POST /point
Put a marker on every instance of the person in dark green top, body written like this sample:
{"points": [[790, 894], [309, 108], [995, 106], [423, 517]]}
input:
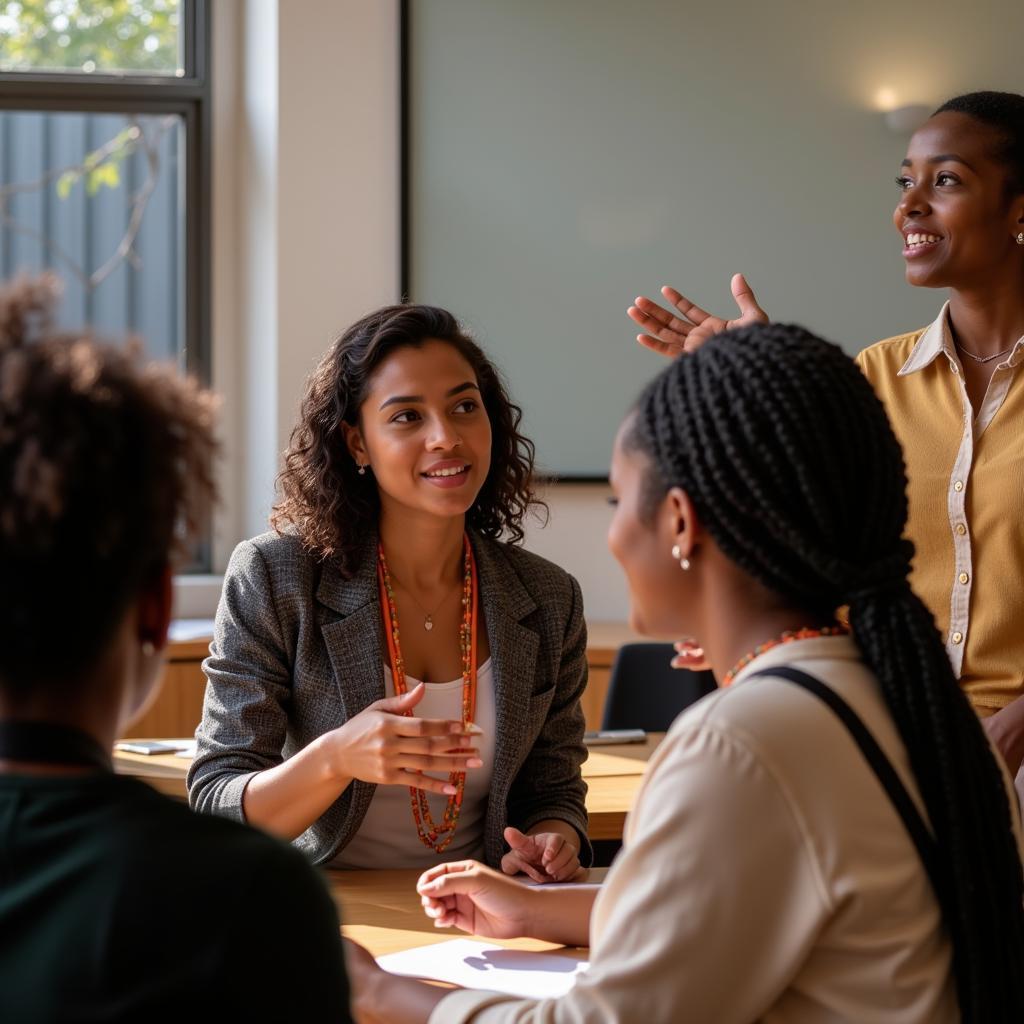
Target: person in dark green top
{"points": [[116, 903]]}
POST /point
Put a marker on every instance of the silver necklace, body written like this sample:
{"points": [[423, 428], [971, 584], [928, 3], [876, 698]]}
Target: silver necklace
{"points": [[983, 359]]}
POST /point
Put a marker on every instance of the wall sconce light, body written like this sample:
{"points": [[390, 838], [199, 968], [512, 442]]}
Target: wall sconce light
{"points": [[907, 119]]}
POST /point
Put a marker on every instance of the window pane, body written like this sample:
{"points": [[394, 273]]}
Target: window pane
{"points": [[99, 199], [103, 36]]}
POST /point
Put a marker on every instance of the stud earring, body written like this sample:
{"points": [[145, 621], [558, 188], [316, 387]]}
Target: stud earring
{"points": [[677, 554], [1020, 238], [148, 648]]}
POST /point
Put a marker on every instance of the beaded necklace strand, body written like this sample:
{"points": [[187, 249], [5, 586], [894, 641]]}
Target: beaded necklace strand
{"points": [[435, 835], [804, 633]]}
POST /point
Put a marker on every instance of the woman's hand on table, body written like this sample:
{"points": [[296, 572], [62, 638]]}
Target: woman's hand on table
{"points": [[671, 335], [468, 895], [383, 745], [544, 856]]}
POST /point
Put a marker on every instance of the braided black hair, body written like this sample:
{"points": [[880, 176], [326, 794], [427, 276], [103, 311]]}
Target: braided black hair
{"points": [[789, 459], [1003, 112]]}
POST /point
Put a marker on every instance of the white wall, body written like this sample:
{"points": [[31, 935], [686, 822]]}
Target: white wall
{"points": [[306, 172], [306, 190]]}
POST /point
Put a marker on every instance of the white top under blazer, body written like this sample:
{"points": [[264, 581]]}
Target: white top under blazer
{"points": [[388, 834]]}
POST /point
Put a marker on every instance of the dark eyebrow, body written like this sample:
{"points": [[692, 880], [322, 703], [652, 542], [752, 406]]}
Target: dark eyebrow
{"points": [[412, 399], [942, 158]]}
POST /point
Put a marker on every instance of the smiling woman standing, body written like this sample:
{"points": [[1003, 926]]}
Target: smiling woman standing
{"points": [[358, 645], [953, 390]]}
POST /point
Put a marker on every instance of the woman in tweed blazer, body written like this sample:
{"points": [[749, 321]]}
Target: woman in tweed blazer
{"points": [[298, 733]]}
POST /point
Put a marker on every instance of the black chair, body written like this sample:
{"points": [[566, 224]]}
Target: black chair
{"points": [[646, 692]]}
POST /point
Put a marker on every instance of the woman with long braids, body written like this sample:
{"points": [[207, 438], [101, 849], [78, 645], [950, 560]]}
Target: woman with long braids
{"points": [[391, 684], [805, 843], [953, 390]]}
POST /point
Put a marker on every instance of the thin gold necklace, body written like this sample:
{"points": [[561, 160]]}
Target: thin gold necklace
{"points": [[428, 616], [983, 359]]}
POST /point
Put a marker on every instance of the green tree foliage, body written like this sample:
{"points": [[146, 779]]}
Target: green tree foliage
{"points": [[90, 35]]}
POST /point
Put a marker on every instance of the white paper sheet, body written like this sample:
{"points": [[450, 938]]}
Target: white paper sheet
{"points": [[190, 629], [474, 964]]}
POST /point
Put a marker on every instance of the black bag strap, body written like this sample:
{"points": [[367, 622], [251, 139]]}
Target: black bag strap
{"points": [[927, 847]]}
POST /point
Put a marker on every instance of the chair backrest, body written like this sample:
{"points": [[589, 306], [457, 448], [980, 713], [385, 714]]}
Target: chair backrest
{"points": [[646, 692]]}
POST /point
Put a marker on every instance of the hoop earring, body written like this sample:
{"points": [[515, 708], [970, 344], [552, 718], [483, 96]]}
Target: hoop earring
{"points": [[677, 554]]}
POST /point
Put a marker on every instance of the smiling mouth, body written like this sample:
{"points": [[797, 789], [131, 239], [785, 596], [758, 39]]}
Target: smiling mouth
{"points": [[919, 241], [443, 474]]}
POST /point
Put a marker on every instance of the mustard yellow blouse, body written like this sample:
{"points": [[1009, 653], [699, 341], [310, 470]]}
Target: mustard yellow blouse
{"points": [[966, 491]]}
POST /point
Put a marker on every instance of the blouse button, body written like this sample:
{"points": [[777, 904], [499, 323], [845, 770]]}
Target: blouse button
{"points": [[961, 529], [957, 637], [963, 577], [958, 486]]}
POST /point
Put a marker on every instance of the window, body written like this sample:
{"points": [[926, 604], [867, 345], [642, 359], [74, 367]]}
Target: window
{"points": [[105, 166]]}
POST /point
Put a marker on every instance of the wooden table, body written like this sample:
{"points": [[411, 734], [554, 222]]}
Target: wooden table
{"points": [[612, 774], [381, 911]]}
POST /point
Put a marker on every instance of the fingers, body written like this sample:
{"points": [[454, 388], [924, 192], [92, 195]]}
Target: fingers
{"points": [[402, 703], [417, 781], [689, 309], [745, 299], [651, 317], [450, 878], [444, 763], [453, 733], [515, 863], [563, 863], [446, 913], [517, 840], [451, 867], [661, 348]]}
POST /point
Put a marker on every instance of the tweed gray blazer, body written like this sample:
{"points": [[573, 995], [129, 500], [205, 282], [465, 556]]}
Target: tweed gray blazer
{"points": [[297, 652]]}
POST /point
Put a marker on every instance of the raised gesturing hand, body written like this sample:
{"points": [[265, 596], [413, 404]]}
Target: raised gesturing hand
{"points": [[671, 335], [381, 744]]}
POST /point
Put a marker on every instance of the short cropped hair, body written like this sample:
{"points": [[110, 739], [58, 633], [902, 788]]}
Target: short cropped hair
{"points": [[106, 466]]}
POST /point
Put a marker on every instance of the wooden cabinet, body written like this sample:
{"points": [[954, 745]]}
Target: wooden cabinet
{"points": [[179, 705]]}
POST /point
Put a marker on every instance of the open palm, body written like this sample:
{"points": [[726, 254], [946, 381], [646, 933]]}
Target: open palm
{"points": [[671, 335]]}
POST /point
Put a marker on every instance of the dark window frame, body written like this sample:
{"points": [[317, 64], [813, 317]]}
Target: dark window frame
{"points": [[187, 95]]}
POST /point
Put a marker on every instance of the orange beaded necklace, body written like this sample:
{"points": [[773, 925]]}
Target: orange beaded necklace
{"points": [[804, 633], [436, 836]]}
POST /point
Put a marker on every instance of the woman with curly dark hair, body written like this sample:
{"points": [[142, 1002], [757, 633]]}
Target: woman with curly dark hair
{"points": [[106, 471], [390, 683]]}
